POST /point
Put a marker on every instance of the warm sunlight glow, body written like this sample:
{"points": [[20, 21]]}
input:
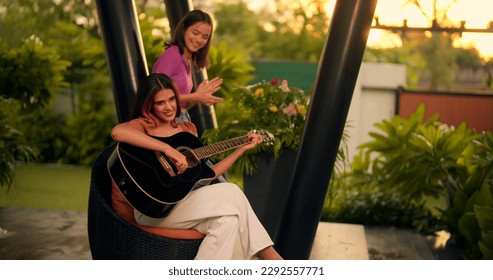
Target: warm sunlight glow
{"points": [[476, 14]]}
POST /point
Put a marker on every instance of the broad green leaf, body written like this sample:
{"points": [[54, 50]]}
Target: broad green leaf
{"points": [[487, 251], [468, 226], [484, 215]]}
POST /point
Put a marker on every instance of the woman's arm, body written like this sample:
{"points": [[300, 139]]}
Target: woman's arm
{"points": [[222, 166], [135, 135]]}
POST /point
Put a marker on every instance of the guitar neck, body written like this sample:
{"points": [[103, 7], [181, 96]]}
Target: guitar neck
{"points": [[213, 149]]}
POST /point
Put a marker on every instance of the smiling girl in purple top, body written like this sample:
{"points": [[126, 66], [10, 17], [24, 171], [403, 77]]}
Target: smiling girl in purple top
{"points": [[189, 50]]}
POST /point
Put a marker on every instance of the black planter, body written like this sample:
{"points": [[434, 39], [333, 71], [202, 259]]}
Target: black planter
{"points": [[268, 188]]}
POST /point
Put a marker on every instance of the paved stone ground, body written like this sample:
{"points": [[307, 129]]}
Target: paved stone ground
{"points": [[31, 234], [390, 243]]}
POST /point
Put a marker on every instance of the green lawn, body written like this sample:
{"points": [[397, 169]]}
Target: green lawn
{"points": [[53, 186], [48, 186]]}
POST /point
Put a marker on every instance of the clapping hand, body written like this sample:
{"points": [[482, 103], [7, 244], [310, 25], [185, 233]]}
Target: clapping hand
{"points": [[206, 89]]}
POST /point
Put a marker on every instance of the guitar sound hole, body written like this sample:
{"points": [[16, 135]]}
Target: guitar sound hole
{"points": [[192, 161]]}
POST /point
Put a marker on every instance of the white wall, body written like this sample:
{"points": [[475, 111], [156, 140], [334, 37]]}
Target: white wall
{"points": [[373, 100]]}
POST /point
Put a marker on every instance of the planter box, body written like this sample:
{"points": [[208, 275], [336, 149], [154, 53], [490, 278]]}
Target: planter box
{"points": [[268, 189]]}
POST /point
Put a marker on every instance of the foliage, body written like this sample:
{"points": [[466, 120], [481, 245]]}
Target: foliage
{"points": [[31, 73], [12, 141], [470, 203], [468, 57], [274, 107], [414, 161], [438, 53], [291, 30], [372, 206], [227, 27], [430, 57], [43, 131], [234, 68], [153, 44], [75, 61], [89, 129]]}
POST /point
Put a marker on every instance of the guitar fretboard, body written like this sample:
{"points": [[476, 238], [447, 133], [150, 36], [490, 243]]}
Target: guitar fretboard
{"points": [[210, 150]]}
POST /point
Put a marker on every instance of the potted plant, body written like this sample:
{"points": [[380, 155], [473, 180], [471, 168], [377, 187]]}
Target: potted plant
{"points": [[280, 109], [271, 106]]}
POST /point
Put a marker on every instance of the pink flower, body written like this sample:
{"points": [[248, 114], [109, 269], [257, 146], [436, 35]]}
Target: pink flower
{"points": [[290, 110]]}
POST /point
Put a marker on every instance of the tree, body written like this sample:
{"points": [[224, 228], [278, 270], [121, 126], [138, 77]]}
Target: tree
{"points": [[437, 50], [69, 33], [232, 19], [293, 30], [31, 73]]}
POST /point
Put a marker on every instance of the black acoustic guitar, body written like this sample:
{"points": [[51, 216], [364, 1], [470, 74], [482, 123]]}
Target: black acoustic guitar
{"points": [[150, 181]]}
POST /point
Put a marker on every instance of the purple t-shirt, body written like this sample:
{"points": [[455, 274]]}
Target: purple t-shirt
{"points": [[173, 64]]}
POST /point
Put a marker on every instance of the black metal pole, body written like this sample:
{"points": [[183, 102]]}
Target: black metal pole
{"points": [[124, 51], [202, 116], [334, 85]]}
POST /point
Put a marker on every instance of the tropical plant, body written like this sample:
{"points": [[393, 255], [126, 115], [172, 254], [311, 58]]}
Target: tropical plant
{"points": [[231, 65], [31, 73], [414, 161], [271, 106], [13, 145], [469, 215], [88, 130]]}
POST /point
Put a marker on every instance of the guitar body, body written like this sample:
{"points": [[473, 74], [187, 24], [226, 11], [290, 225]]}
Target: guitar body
{"points": [[147, 185]]}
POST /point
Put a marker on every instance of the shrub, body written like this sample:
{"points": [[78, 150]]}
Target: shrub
{"points": [[13, 145], [412, 161], [271, 106]]}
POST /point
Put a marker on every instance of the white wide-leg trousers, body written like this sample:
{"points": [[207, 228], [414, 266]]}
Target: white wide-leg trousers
{"points": [[221, 212]]}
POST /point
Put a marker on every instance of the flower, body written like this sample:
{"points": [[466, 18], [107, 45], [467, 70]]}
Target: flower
{"points": [[272, 106]]}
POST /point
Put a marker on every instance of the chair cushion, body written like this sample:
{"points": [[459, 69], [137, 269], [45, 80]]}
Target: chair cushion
{"points": [[126, 211]]}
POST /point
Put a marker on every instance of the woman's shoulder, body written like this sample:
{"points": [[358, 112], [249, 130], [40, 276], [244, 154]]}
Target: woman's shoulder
{"points": [[168, 62], [188, 127], [142, 122], [173, 50]]}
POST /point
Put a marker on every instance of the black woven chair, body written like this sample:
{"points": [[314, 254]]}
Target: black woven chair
{"points": [[113, 238]]}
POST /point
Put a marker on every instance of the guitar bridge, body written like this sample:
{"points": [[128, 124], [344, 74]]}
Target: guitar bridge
{"points": [[165, 164]]}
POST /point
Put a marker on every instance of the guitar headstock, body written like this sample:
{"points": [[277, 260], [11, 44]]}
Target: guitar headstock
{"points": [[267, 137]]}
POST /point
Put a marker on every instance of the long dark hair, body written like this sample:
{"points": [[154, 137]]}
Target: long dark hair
{"points": [[144, 99], [200, 58]]}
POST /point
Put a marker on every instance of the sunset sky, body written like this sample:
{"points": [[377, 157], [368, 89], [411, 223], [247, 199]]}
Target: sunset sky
{"points": [[476, 13]]}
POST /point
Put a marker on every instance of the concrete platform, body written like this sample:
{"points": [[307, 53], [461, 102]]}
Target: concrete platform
{"points": [[32, 234], [335, 241]]}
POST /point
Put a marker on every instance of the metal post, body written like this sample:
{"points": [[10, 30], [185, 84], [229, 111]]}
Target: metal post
{"points": [[202, 116], [334, 85], [124, 51]]}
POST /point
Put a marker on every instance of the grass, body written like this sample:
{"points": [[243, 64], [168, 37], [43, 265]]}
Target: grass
{"points": [[48, 186], [55, 187]]}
